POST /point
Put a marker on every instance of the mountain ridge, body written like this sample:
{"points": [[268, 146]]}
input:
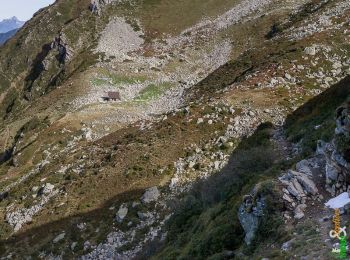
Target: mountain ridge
{"points": [[10, 24]]}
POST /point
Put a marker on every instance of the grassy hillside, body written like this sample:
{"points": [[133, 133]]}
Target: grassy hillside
{"points": [[205, 89]]}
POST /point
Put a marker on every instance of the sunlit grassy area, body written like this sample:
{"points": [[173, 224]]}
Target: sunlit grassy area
{"points": [[153, 91]]}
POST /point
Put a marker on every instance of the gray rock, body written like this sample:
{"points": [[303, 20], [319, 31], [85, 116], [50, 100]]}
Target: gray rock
{"points": [[287, 245], [250, 216], [310, 50], [298, 187], [151, 194], [200, 121], [81, 226], [303, 167], [122, 212], [332, 172], [339, 159], [144, 216], [73, 245], [135, 204], [287, 198], [308, 185], [299, 211], [251, 113], [293, 191], [287, 76], [48, 188], [59, 238], [87, 245]]}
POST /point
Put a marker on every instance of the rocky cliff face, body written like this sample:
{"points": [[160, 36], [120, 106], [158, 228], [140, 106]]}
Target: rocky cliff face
{"points": [[306, 188], [336, 154]]}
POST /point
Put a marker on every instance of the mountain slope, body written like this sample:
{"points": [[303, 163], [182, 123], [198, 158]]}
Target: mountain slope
{"points": [[196, 98]]}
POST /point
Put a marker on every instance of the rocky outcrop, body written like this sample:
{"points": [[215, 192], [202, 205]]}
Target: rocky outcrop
{"points": [[299, 184], [299, 187], [336, 153], [19, 217], [97, 6], [250, 215], [330, 159], [151, 194], [64, 49]]}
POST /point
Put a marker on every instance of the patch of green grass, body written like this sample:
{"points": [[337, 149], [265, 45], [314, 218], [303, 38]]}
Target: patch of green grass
{"points": [[120, 79], [153, 91], [99, 81]]}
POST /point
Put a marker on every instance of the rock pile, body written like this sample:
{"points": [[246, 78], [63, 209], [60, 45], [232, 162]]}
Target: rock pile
{"points": [[298, 187], [19, 217], [118, 39]]}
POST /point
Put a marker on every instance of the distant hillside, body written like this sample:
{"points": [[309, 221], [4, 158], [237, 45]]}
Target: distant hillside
{"points": [[5, 36], [10, 24]]}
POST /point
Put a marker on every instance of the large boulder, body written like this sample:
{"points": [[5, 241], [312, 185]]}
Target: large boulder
{"points": [[293, 191], [151, 194], [332, 172], [299, 211], [304, 167], [308, 185], [298, 184], [250, 214]]}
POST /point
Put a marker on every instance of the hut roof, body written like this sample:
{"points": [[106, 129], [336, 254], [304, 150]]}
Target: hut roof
{"points": [[113, 95]]}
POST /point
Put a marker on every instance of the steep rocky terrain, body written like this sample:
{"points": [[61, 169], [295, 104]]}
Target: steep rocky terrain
{"points": [[230, 134]]}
